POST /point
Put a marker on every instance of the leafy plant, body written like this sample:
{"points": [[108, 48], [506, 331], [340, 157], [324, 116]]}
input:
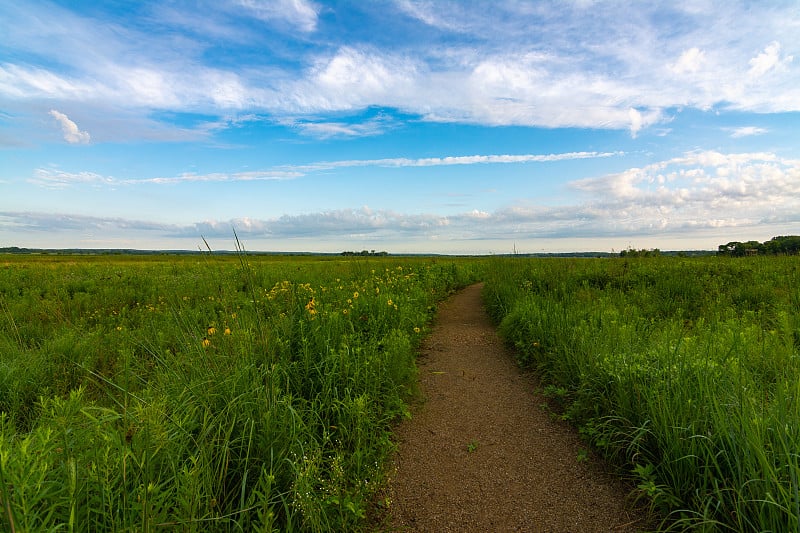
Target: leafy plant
{"points": [[225, 393], [683, 371]]}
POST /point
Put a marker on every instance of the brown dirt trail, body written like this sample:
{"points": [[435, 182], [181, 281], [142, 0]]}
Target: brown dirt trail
{"points": [[481, 453]]}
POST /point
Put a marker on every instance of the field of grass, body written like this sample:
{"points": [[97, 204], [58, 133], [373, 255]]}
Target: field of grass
{"points": [[685, 372], [252, 393], [205, 393]]}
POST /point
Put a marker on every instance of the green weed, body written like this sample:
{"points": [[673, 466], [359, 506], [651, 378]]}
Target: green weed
{"points": [[684, 372], [205, 393]]}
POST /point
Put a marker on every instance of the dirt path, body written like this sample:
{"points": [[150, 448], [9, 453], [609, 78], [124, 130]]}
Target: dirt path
{"points": [[481, 454]]}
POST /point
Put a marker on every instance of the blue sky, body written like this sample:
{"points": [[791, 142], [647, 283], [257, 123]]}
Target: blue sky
{"points": [[450, 126]]}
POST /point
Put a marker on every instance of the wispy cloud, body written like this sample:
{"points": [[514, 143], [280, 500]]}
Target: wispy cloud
{"points": [[327, 129], [458, 160], [747, 131], [354, 78], [341, 224], [59, 179], [59, 222], [428, 13], [567, 73], [269, 175], [301, 13], [23, 82], [697, 192]]}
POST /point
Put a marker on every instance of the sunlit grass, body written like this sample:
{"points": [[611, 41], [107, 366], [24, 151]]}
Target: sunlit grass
{"points": [[205, 393], [684, 372], [257, 394]]}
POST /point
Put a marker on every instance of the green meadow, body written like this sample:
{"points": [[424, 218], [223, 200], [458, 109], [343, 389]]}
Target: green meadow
{"points": [[205, 393], [258, 393], [684, 372]]}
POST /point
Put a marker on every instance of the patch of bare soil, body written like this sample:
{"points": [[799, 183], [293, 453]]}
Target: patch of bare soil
{"points": [[481, 453]]}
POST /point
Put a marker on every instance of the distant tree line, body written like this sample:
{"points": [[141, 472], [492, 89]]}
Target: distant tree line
{"points": [[785, 245], [370, 253], [630, 252]]}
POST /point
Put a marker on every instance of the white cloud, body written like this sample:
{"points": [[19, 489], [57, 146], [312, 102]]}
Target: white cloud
{"points": [[700, 189], [354, 79], [183, 88], [72, 134], [690, 61], [427, 12], [636, 121], [768, 60], [268, 175], [60, 222], [586, 65], [57, 179], [747, 131], [148, 86], [340, 224], [699, 193], [326, 129], [301, 13], [30, 82], [456, 160]]}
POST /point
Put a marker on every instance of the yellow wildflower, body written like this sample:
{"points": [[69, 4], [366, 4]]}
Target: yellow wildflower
{"points": [[211, 330], [227, 331], [206, 342], [310, 307], [390, 302]]}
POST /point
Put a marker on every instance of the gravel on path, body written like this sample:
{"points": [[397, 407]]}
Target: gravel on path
{"points": [[482, 452]]}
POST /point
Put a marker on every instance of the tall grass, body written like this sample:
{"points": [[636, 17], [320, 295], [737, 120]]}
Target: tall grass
{"points": [[205, 394], [685, 372]]}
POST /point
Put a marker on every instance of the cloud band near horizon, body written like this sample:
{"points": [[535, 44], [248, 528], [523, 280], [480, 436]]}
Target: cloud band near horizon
{"points": [[700, 190]]}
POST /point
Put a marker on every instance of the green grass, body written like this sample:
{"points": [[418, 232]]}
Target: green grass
{"points": [[205, 393], [686, 373], [211, 393]]}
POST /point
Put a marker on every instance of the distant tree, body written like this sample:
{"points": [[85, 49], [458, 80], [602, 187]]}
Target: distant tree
{"points": [[365, 253], [739, 249], [784, 245], [630, 252]]}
